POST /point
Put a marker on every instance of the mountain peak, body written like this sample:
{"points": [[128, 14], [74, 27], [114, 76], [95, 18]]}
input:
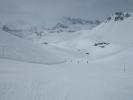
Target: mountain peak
{"points": [[119, 16]]}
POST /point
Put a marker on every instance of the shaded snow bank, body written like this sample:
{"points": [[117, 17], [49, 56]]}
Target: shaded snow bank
{"points": [[12, 47]]}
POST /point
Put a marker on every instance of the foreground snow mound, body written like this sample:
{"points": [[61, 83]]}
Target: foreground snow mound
{"points": [[12, 47], [107, 79]]}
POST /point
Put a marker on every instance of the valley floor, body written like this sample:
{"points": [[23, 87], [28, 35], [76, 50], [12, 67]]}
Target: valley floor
{"points": [[93, 81]]}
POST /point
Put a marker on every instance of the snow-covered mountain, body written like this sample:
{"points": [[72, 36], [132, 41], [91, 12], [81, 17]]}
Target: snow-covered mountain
{"points": [[69, 24], [108, 38], [99, 65], [65, 29], [112, 36]]}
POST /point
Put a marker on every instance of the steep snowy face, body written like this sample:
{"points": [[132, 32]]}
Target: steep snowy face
{"points": [[116, 29], [12, 47]]}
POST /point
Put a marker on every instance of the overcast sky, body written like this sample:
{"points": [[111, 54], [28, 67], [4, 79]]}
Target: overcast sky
{"points": [[46, 11]]}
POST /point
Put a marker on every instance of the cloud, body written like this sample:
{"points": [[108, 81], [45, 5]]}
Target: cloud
{"points": [[46, 11]]}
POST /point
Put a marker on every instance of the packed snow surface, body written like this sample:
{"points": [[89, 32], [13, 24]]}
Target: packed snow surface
{"points": [[109, 79]]}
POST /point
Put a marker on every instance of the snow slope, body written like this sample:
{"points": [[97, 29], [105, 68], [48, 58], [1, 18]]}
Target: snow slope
{"points": [[113, 31], [12, 47]]}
